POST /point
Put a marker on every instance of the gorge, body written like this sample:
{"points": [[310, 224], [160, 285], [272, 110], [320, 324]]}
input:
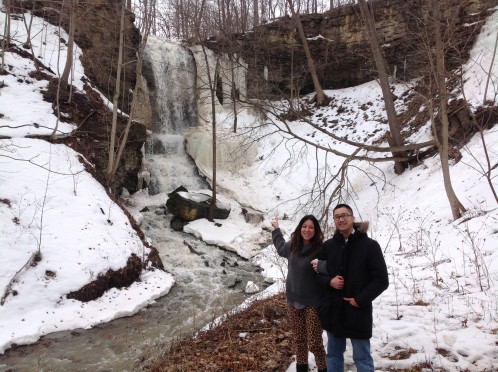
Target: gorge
{"points": [[210, 280]]}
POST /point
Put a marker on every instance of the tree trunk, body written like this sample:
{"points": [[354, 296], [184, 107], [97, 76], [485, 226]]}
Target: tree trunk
{"points": [[27, 44], [321, 98], [6, 33], [197, 20], [233, 92], [212, 89], [395, 133], [144, 31], [112, 139], [490, 71], [255, 15], [70, 46], [457, 208]]}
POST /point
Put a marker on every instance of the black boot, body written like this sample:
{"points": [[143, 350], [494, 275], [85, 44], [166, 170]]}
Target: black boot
{"points": [[301, 368], [322, 370]]}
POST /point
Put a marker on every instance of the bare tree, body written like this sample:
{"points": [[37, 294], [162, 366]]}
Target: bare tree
{"points": [[321, 98], [482, 124], [490, 69], [112, 139], [234, 96], [489, 167], [212, 90], [6, 34], [394, 136], [457, 208], [145, 30], [223, 24], [27, 43], [198, 18], [179, 18], [255, 13], [58, 94], [70, 44]]}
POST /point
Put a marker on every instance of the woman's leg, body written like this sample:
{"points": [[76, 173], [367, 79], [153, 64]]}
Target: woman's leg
{"points": [[315, 340], [298, 325]]}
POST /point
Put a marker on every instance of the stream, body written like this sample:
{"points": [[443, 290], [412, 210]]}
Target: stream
{"points": [[209, 283]]}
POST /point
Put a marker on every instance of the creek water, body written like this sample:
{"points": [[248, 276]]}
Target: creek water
{"points": [[208, 283]]}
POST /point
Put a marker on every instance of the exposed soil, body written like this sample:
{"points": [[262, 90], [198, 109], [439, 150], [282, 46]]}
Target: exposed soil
{"points": [[255, 339], [111, 279]]}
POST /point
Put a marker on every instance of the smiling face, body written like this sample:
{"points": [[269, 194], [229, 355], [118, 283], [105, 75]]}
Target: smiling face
{"points": [[344, 221], [307, 231]]}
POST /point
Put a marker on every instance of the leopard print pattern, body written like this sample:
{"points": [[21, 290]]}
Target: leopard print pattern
{"points": [[307, 332]]}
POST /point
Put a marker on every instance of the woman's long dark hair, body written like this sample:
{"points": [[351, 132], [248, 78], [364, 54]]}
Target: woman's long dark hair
{"points": [[297, 242]]}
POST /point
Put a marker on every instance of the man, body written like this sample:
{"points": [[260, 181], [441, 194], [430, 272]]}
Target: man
{"points": [[355, 273]]}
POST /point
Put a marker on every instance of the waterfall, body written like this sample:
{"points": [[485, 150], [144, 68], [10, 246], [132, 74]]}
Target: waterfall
{"points": [[179, 90], [171, 84]]}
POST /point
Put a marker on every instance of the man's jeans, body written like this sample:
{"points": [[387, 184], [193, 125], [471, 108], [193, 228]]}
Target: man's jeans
{"points": [[336, 347]]}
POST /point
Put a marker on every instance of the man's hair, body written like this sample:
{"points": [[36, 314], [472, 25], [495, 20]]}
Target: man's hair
{"points": [[344, 206]]}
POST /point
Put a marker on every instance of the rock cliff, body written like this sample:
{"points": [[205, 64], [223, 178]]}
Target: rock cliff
{"points": [[97, 26], [340, 48]]}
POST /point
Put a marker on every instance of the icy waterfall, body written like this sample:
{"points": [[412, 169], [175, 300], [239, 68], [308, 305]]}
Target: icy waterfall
{"points": [[172, 87], [179, 89]]}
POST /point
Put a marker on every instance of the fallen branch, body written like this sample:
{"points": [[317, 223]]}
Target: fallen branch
{"points": [[35, 257]]}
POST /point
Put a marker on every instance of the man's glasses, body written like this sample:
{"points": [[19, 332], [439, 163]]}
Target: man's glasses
{"points": [[342, 217]]}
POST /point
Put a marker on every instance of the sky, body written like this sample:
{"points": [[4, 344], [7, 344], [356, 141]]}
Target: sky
{"points": [[442, 303]]}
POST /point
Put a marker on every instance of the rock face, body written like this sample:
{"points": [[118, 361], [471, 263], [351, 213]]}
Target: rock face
{"points": [[192, 206], [97, 26], [340, 49]]}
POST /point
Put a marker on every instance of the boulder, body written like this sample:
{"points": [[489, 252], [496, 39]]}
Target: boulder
{"points": [[193, 206], [177, 223], [253, 216]]}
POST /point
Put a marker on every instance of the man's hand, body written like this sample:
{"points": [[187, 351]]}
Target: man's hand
{"points": [[337, 282], [351, 301]]}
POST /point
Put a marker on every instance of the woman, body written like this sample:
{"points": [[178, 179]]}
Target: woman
{"points": [[304, 294]]}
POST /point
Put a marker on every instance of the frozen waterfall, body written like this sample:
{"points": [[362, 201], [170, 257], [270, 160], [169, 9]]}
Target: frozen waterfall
{"points": [[179, 80], [171, 84]]}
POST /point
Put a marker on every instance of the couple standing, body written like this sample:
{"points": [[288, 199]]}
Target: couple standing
{"points": [[338, 278]]}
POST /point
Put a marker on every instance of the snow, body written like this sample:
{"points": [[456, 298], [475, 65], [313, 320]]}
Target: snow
{"points": [[51, 205], [434, 310]]}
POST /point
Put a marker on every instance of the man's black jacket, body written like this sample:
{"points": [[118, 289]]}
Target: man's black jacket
{"points": [[361, 263]]}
